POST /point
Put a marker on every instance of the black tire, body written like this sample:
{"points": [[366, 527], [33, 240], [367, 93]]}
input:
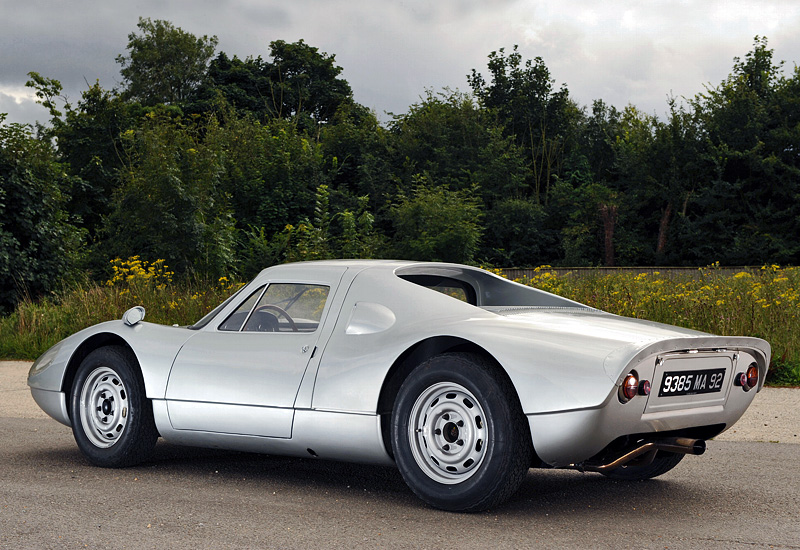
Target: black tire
{"points": [[663, 462], [112, 419], [459, 436]]}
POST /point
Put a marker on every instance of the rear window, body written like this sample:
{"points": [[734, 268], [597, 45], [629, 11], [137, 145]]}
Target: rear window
{"points": [[454, 288]]}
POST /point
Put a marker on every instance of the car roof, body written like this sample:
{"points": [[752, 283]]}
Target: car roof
{"points": [[491, 289], [368, 264]]}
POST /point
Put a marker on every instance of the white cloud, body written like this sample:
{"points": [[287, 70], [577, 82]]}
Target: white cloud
{"points": [[628, 20], [17, 94], [20, 107]]}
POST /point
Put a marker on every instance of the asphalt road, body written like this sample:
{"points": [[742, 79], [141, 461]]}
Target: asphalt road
{"points": [[740, 494]]}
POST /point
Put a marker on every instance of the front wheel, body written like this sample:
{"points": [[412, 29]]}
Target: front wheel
{"points": [[459, 436], [112, 420]]}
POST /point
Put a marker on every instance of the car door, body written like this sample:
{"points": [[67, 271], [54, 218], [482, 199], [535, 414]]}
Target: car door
{"points": [[241, 374]]}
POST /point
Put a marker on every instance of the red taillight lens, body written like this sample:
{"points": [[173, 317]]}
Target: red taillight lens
{"points": [[630, 387], [644, 387], [752, 375], [747, 380]]}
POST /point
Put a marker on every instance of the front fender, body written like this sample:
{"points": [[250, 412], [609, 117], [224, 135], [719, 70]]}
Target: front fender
{"points": [[155, 348]]}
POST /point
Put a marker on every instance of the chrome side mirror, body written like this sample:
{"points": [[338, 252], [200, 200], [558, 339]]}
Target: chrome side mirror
{"points": [[133, 315]]}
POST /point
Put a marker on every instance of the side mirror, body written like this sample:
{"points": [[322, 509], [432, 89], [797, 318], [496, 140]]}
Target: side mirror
{"points": [[133, 315]]}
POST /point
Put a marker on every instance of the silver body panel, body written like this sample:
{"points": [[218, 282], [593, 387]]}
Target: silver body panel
{"points": [[318, 392]]}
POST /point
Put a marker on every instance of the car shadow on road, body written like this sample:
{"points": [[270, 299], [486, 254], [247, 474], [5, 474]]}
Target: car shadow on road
{"points": [[544, 492], [565, 492]]}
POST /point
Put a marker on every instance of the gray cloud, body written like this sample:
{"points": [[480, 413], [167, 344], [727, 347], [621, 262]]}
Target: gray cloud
{"points": [[624, 51]]}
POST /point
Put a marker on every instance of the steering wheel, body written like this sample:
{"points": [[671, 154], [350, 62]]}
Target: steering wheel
{"points": [[280, 311]]}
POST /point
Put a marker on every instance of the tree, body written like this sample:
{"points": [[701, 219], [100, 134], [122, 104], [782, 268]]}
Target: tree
{"points": [[747, 210], [298, 84], [655, 171], [596, 139], [436, 224], [517, 234], [243, 84], [677, 170], [273, 171], [314, 239], [90, 143], [171, 205], [164, 63], [449, 138], [39, 246], [304, 83], [586, 212], [48, 91], [351, 142], [541, 119]]}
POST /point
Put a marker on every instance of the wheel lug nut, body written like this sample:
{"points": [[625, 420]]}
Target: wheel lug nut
{"points": [[460, 442], [446, 417], [438, 431], [460, 423], [446, 447]]}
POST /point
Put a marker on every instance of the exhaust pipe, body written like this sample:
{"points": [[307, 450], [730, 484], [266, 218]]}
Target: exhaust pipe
{"points": [[646, 452], [683, 445]]}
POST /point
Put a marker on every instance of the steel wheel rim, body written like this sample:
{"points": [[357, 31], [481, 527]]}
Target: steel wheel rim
{"points": [[103, 407], [448, 433]]}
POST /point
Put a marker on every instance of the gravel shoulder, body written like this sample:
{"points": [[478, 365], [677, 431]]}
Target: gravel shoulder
{"points": [[773, 417]]}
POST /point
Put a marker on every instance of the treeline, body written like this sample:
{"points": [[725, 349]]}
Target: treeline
{"points": [[220, 165]]}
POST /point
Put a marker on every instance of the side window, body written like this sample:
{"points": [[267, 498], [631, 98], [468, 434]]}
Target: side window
{"points": [[288, 307], [236, 319]]}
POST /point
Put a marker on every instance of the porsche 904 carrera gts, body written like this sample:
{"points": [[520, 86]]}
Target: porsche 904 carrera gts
{"points": [[462, 379]]}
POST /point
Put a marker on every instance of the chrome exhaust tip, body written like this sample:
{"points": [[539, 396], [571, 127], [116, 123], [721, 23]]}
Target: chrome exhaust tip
{"points": [[683, 445]]}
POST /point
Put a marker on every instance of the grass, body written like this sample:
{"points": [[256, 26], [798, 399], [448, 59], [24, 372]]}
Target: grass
{"points": [[763, 303], [36, 325]]}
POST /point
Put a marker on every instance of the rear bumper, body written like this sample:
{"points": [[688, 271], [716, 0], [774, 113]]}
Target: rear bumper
{"points": [[567, 438]]}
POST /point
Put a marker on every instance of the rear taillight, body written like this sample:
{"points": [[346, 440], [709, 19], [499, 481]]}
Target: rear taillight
{"points": [[629, 388], [749, 379], [752, 375]]}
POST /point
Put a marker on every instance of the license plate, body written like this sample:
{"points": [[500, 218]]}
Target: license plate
{"points": [[691, 382]]}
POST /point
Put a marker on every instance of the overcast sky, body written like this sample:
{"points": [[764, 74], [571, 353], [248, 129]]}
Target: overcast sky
{"points": [[623, 52]]}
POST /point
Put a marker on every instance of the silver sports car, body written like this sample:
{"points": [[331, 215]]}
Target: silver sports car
{"points": [[462, 379]]}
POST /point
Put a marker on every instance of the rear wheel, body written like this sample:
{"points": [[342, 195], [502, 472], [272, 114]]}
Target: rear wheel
{"points": [[112, 420], [459, 436], [663, 462]]}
